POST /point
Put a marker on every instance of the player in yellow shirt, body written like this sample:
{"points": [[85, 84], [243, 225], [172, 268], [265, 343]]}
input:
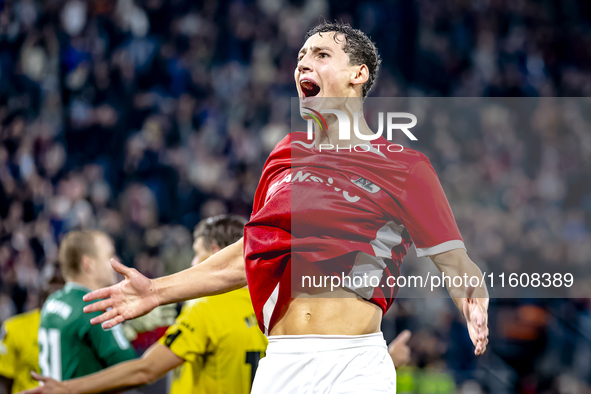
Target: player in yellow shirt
{"points": [[217, 338], [19, 351]]}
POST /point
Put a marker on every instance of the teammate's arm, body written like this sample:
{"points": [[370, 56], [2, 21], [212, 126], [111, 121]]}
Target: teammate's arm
{"points": [[136, 295], [471, 301], [399, 350], [157, 361]]}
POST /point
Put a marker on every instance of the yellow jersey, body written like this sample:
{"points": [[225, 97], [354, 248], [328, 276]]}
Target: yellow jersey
{"points": [[19, 352], [221, 343]]}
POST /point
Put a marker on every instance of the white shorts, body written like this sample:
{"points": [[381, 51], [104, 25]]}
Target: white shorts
{"points": [[322, 364]]}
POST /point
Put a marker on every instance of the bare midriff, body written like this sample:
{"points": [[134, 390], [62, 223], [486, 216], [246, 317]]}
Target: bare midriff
{"points": [[341, 314]]}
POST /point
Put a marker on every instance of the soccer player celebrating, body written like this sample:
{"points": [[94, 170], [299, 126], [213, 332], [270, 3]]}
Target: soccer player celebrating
{"points": [[329, 211], [69, 346], [215, 344]]}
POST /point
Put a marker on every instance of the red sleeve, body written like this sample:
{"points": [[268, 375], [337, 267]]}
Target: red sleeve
{"points": [[278, 160], [426, 213]]}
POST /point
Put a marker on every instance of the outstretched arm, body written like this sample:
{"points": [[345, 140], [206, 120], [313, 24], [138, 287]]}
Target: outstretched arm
{"points": [[136, 295], [156, 362], [471, 301]]}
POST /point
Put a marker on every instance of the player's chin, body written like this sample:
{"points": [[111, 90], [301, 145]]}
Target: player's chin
{"points": [[311, 101]]}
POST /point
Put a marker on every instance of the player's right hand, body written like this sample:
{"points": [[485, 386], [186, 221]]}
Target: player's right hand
{"points": [[49, 386], [133, 297]]}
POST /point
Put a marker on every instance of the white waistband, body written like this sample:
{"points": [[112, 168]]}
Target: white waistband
{"points": [[322, 343]]}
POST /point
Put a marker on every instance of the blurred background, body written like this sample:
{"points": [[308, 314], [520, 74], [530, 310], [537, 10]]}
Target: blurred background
{"points": [[141, 117]]}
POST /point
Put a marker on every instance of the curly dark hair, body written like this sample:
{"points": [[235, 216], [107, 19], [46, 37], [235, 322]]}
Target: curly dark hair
{"points": [[358, 46]]}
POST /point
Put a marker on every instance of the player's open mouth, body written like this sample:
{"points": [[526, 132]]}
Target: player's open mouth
{"points": [[309, 88]]}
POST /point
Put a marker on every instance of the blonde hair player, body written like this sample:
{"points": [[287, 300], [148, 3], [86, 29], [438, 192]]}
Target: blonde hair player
{"points": [[70, 347]]}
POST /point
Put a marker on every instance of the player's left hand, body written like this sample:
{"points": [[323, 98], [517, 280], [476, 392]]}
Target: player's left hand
{"points": [[49, 386], [399, 350], [476, 314]]}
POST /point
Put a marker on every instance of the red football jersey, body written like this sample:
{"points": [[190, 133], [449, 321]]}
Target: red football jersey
{"points": [[341, 212]]}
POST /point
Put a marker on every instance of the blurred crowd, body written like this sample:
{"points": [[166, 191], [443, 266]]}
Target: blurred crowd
{"points": [[141, 117]]}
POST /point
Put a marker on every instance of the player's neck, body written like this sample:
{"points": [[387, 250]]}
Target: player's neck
{"points": [[85, 281], [331, 136]]}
